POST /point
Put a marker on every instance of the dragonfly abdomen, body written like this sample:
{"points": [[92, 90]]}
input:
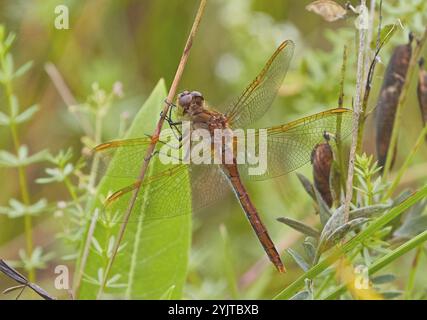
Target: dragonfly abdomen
{"points": [[239, 189]]}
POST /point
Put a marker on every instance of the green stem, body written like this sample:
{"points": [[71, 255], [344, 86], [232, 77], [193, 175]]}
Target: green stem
{"points": [[73, 194], [402, 100], [406, 164], [324, 285], [411, 280], [386, 260], [338, 252], [22, 178]]}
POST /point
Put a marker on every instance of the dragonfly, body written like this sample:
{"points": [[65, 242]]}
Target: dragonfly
{"points": [[289, 147]]}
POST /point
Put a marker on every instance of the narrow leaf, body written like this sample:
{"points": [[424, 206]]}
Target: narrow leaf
{"points": [[4, 119], [384, 278], [324, 211], [298, 259], [23, 69], [27, 114], [308, 187], [300, 226], [369, 211], [303, 295]]}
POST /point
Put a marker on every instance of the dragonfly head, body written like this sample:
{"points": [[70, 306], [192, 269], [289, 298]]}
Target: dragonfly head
{"points": [[190, 99]]}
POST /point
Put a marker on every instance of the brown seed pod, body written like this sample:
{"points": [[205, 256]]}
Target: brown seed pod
{"points": [[422, 91], [322, 158], [388, 99], [327, 9]]}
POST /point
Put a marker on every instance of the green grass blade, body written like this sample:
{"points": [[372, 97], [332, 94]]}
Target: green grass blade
{"points": [[385, 260]]}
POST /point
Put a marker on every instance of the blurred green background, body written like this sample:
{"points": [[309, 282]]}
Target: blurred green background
{"points": [[137, 42]]}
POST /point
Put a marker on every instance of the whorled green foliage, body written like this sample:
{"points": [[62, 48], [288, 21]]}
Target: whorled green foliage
{"points": [[153, 258]]}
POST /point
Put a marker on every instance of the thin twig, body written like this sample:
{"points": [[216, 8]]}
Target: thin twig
{"points": [[357, 111], [402, 100], [370, 73], [15, 275], [155, 137], [369, 36], [340, 153], [343, 69], [66, 95], [85, 254]]}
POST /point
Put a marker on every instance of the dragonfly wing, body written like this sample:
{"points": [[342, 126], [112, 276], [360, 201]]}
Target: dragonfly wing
{"points": [[259, 95], [160, 196], [121, 158], [124, 158], [209, 186], [164, 196], [289, 146]]}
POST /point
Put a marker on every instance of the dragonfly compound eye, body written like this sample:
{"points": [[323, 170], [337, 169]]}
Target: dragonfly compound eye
{"points": [[197, 94], [185, 98]]}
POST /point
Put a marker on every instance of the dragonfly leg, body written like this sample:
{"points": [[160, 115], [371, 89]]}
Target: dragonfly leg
{"points": [[170, 104], [173, 125]]}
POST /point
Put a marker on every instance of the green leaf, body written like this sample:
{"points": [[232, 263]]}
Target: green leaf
{"points": [[369, 211], [391, 294], [298, 259], [4, 119], [8, 67], [300, 226], [334, 222], [27, 114], [384, 278], [155, 253], [412, 227], [310, 245], [303, 295], [17, 209], [414, 222], [386, 33], [8, 159], [9, 40], [308, 187], [324, 211], [24, 68], [14, 107], [341, 231]]}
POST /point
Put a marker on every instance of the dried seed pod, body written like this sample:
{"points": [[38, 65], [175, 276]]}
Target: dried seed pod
{"points": [[422, 91], [327, 9], [322, 159], [388, 99]]}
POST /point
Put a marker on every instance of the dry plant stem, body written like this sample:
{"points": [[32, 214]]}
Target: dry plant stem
{"points": [[370, 64], [340, 152], [402, 99], [66, 95], [357, 111], [343, 69], [155, 137]]}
